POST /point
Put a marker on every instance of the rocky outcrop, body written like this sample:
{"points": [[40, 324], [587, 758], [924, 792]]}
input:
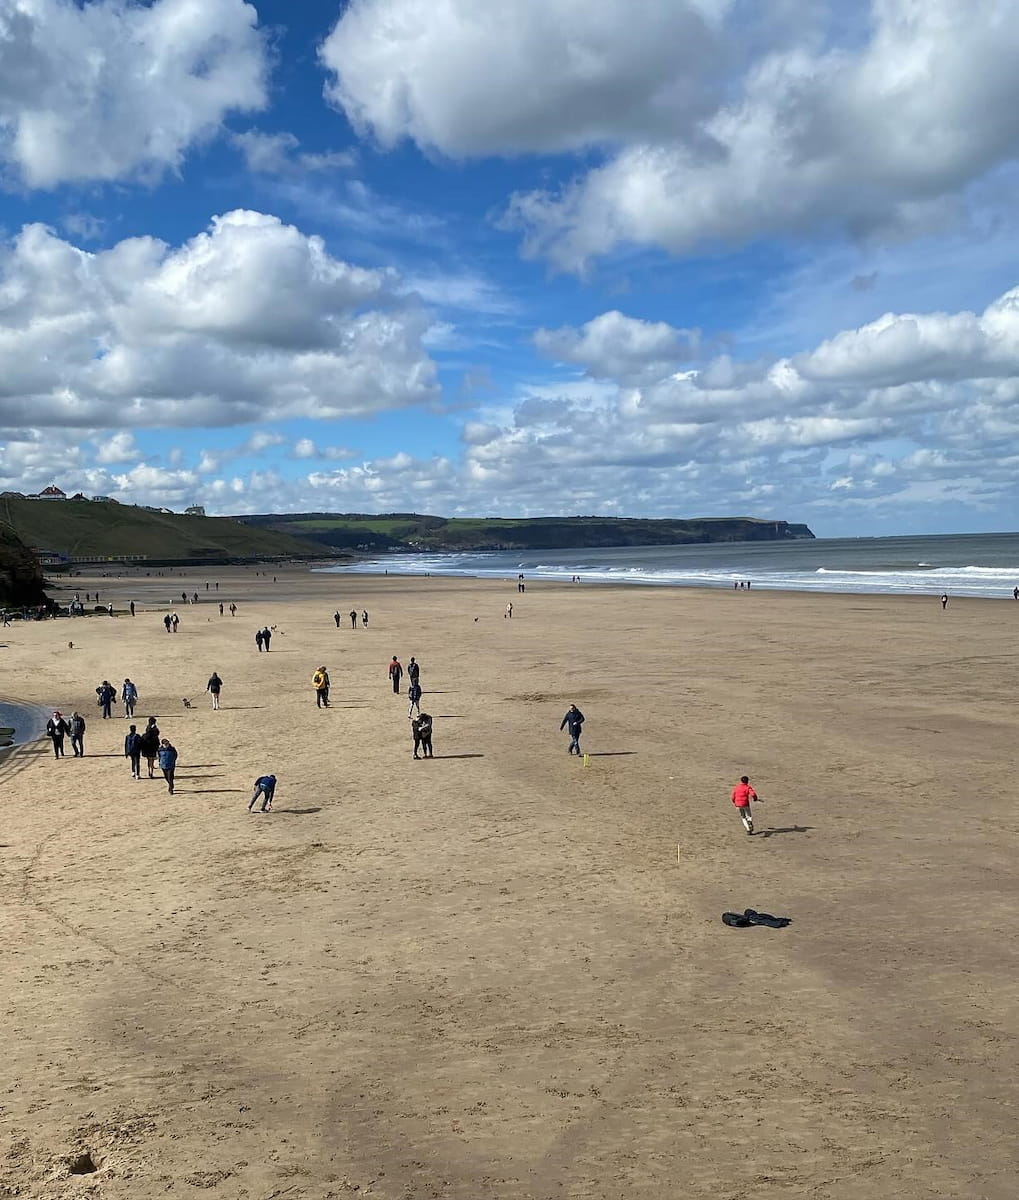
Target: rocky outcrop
{"points": [[21, 580]]}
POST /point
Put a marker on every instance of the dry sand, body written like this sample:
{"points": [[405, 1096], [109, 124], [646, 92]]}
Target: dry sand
{"points": [[490, 975]]}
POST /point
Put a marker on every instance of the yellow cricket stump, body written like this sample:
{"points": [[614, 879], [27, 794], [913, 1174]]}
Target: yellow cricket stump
{"points": [[587, 760]]}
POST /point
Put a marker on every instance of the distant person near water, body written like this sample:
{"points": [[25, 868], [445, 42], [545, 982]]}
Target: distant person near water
{"points": [[78, 727], [56, 728], [364, 618], [742, 794], [320, 682], [944, 602], [573, 722], [266, 638], [509, 610], [265, 786], [168, 762], [214, 687], [258, 640], [395, 673], [353, 618], [167, 622], [336, 618]]}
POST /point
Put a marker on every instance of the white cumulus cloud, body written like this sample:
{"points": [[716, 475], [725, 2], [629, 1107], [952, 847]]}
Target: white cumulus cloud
{"points": [[114, 89], [249, 321], [708, 121]]}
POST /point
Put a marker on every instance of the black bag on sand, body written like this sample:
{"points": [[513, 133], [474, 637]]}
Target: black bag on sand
{"points": [[759, 918], [737, 920]]}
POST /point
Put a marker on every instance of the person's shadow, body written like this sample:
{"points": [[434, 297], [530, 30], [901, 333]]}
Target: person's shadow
{"points": [[786, 829]]}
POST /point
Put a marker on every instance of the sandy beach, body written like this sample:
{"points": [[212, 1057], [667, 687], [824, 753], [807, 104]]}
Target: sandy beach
{"points": [[502, 973]]}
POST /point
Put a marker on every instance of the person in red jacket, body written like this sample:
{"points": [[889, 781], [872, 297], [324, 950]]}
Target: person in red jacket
{"points": [[742, 794]]}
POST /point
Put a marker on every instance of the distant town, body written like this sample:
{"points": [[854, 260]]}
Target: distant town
{"points": [[54, 493]]}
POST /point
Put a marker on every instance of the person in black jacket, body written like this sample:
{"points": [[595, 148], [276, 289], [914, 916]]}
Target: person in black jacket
{"points": [[573, 721], [150, 745], [107, 694], [56, 727], [133, 751], [421, 728], [214, 686], [77, 726]]}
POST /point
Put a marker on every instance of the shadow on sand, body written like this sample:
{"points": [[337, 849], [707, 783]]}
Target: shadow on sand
{"points": [[609, 753], [785, 829], [295, 812], [458, 756]]}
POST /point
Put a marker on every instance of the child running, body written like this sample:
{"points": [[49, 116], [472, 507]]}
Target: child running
{"points": [[742, 794]]}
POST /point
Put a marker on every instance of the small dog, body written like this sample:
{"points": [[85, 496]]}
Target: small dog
{"points": [[186, 702]]}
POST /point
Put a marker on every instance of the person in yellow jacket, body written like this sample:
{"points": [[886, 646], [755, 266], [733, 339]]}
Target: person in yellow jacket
{"points": [[320, 682]]}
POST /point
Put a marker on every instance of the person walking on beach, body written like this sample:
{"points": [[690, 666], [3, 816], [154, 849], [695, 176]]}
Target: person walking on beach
{"points": [[214, 686], [233, 609], [265, 786], [129, 694], [133, 751], [509, 610], [944, 602], [107, 694], [221, 608], [353, 618], [742, 794], [167, 622], [150, 745], [266, 638], [174, 621], [56, 727], [413, 669], [336, 618], [421, 728], [131, 606], [168, 762], [573, 722], [258, 640], [320, 682], [77, 725], [414, 696], [364, 618], [395, 674]]}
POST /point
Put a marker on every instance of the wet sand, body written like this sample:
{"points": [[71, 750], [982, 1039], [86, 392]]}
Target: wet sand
{"points": [[502, 973]]}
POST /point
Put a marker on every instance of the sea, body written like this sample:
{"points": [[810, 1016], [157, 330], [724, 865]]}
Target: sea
{"points": [[21, 723], [985, 565]]}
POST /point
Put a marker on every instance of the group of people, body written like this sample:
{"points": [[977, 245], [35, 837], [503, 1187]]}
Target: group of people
{"points": [[420, 722], [353, 618], [149, 744], [262, 638], [106, 697]]}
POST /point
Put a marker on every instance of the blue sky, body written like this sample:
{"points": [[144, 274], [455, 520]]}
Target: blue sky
{"points": [[658, 257]]}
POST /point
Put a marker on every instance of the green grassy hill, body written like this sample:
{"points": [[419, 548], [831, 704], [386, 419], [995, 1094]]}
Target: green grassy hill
{"points": [[80, 528], [412, 531]]}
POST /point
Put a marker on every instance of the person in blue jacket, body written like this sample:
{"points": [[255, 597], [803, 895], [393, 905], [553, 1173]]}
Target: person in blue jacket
{"points": [[168, 762], [265, 786], [573, 721]]}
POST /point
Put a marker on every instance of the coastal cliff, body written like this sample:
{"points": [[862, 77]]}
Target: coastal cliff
{"points": [[21, 580], [396, 532]]}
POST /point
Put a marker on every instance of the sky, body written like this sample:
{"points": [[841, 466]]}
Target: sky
{"points": [[520, 257]]}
